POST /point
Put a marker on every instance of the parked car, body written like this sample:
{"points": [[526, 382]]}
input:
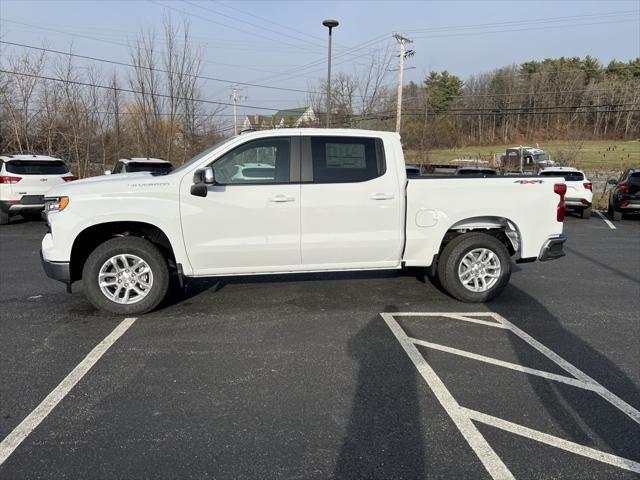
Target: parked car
{"points": [[625, 196], [141, 164], [25, 179], [413, 170], [476, 172], [579, 197], [336, 200]]}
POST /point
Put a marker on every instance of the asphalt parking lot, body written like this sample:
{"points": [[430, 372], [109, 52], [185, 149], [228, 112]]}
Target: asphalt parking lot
{"points": [[364, 375]]}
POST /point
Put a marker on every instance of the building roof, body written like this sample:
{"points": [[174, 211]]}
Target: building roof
{"points": [[272, 120]]}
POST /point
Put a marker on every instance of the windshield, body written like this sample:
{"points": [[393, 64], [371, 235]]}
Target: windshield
{"points": [[37, 167], [155, 168], [202, 154], [634, 178], [541, 157], [568, 176]]}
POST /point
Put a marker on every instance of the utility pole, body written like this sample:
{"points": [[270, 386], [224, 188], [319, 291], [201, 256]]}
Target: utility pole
{"points": [[330, 24], [402, 41], [234, 100]]}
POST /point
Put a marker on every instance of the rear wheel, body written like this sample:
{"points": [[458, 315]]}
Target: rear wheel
{"points": [[616, 216], [474, 267], [126, 276], [586, 212], [4, 217]]}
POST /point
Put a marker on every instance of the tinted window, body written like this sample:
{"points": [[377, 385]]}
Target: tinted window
{"points": [[156, 168], [37, 167], [346, 159], [260, 161], [477, 172], [568, 176], [634, 178]]}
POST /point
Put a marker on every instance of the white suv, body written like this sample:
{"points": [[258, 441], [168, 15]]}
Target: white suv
{"points": [[24, 181], [579, 196]]}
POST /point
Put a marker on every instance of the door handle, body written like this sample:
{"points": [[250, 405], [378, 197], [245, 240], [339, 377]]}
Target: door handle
{"points": [[381, 196], [281, 198]]}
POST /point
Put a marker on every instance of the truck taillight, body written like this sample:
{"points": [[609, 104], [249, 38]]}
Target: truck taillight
{"points": [[69, 178], [588, 186], [4, 179], [560, 189], [624, 187]]}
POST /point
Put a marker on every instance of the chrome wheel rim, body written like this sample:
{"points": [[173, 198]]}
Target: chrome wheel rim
{"points": [[125, 279], [479, 270]]}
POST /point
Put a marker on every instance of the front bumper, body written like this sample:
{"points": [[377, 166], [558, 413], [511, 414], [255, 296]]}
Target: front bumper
{"points": [[60, 271], [552, 248]]}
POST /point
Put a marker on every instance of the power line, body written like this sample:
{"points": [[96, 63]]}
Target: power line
{"points": [[523, 22], [138, 92], [125, 64]]}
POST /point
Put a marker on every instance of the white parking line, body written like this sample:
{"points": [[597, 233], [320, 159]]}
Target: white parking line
{"points": [[489, 458], [554, 441], [606, 220], [31, 422], [463, 417]]}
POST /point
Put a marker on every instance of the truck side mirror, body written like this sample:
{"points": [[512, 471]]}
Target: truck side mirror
{"points": [[612, 181], [201, 178]]}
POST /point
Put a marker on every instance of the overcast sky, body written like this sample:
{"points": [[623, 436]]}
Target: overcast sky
{"points": [[283, 43]]}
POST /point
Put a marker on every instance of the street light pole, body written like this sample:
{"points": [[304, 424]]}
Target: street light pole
{"points": [[330, 24]]}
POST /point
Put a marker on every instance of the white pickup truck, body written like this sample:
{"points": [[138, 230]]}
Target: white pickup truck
{"points": [[321, 200]]}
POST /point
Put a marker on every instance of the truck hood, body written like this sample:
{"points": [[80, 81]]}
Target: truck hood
{"points": [[107, 184]]}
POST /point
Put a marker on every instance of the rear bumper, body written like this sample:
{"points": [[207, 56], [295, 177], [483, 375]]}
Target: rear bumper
{"points": [[17, 206], [552, 248], [60, 271]]}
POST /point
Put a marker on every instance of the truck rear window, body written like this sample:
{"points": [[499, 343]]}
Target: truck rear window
{"points": [[36, 167], [568, 176], [477, 172], [159, 168]]}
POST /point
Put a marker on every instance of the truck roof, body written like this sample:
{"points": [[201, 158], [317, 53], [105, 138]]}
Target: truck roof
{"points": [[343, 132], [22, 156], [143, 160]]}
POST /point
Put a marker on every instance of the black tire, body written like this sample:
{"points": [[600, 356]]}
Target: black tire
{"points": [[4, 217], [140, 247], [616, 216], [453, 254], [586, 212]]}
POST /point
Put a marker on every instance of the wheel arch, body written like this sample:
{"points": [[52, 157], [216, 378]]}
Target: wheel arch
{"points": [[89, 238], [499, 227]]}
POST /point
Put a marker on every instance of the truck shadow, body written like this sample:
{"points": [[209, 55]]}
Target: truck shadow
{"points": [[585, 417], [383, 437], [197, 286]]}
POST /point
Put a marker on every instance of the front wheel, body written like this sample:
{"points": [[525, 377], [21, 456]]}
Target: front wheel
{"points": [[126, 276], [474, 267]]}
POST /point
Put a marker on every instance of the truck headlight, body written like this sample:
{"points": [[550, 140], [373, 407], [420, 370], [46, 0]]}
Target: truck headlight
{"points": [[55, 204]]}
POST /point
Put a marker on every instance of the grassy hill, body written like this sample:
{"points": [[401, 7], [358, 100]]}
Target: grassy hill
{"points": [[588, 155]]}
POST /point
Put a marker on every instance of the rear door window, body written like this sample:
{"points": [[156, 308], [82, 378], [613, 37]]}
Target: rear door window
{"points": [[346, 159], [37, 167]]}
